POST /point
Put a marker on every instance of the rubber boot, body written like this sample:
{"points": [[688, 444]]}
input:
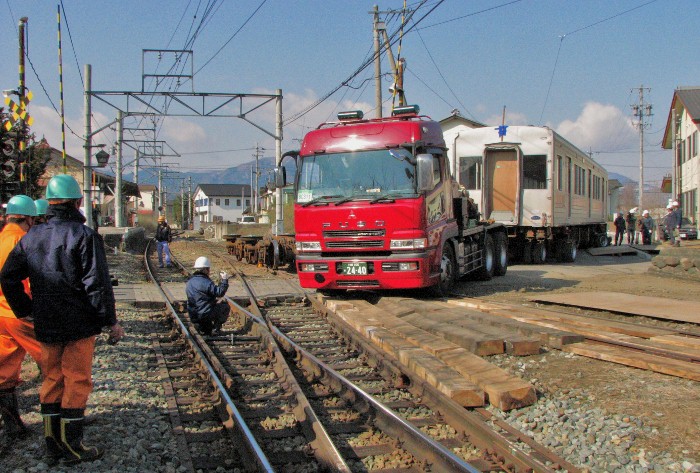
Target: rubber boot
{"points": [[51, 413], [14, 427], [72, 422]]}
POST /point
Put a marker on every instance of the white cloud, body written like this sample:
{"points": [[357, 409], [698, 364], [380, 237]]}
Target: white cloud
{"points": [[182, 132], [601, 128]]}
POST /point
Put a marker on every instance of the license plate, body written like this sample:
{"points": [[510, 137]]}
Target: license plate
{"points": [[354, 269]]}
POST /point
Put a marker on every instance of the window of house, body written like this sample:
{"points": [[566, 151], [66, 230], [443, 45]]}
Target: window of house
{"points": [[218, 201], [247, 202], [226, 202], [470, 172], [206, 201], [238, 202], [535, 171]]}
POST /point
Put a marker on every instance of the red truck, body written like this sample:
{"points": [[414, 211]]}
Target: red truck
{"points": [[377, 208]]}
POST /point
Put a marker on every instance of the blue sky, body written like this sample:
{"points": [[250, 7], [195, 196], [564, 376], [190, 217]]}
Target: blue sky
{"points": [[571, 65]]}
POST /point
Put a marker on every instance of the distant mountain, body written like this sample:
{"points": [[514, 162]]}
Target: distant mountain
{"points": [[234, 175], [622, 179]]}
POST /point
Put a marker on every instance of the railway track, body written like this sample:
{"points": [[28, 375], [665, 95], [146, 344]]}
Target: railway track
{"points": [[334, 352], [280, 424]]}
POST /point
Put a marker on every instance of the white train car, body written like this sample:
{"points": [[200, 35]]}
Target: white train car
{"points": [[551, 196]]}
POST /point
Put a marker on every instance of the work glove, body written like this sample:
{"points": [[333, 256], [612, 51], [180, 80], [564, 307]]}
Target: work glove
{"points": [[223, 275]]}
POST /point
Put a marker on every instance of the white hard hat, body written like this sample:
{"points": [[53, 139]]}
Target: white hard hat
{"points": [[669, 206], [633, 211], [675, 203], [202, 262], [646, 212]]}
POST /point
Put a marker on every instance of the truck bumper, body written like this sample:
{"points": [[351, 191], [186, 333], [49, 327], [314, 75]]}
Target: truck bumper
{"points": [[383, 272]]}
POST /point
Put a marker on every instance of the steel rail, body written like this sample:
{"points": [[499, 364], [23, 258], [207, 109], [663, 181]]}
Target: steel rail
{"points": [[238, 421], [323, 446], [420, 445]]}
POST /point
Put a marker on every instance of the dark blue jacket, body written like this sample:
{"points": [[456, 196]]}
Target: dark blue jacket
{"points": [[72, 296], [202, 294]]}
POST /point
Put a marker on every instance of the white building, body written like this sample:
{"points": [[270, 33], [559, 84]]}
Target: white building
{"points": [[683, 132], [221, 202]]}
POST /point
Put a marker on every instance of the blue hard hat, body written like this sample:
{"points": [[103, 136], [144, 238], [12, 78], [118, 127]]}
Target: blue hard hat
{"points": [[21, 205], [42, 205], [63, 186]]}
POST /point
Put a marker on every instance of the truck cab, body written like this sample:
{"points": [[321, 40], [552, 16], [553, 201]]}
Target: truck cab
{"points": [[375, 205]]}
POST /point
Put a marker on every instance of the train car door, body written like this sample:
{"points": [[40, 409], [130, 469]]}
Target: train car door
{"points": [[501, 199]]}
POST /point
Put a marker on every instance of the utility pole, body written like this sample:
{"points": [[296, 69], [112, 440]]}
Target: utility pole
{"points": [[136, 180], [640, 111], [182, 205], [118, 199], [377, 64], [160, 188], [22, 89], [87, 158], [256, 189], [190, 217]]}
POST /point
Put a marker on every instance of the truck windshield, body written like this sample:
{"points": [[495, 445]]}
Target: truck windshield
{"points": [[359, 175]]}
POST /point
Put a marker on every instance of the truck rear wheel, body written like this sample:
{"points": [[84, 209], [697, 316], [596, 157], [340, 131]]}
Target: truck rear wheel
{"points": [[486, 271], [567, 251], [448, 272], [500, 261], [539, 252]]}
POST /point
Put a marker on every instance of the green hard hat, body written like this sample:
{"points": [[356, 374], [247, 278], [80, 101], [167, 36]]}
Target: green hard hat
{"points": [[63, 186], [21, 205], [42, 205]]}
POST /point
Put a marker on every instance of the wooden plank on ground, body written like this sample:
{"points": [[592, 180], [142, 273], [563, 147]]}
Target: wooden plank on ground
{"points": [[678, 340], [628, 357], [657, 307], [502, 389], [549, 336], [594, 323], [612, 251], [476, 342]]}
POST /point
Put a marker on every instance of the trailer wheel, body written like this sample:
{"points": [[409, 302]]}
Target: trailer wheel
{"points": [[486, 271], [603, 240], [500, 261], [567, 251], [539, 252], [448, 272]]}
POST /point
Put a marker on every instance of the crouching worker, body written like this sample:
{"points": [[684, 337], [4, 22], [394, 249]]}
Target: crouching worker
{"points": [[72, 301], [202, 294]]}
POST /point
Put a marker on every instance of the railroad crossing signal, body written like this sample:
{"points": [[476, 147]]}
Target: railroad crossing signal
{"points": [[18, 110]]}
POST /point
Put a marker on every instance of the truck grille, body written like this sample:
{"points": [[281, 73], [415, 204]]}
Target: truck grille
{"points": [[354, 233], [356, 244], [364, 283]]}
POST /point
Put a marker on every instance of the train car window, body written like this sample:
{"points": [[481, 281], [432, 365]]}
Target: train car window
{"points": [[535, 171], [560, 173], [470, 172]]}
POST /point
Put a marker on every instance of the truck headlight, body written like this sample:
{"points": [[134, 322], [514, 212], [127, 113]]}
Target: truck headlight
{"points": [[307, 246], [412, 244]]}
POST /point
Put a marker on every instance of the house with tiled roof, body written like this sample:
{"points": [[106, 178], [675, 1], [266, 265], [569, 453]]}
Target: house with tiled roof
{"points": [[221, 202], [682, 135]]}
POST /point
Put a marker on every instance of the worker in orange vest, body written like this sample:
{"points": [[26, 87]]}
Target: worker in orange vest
{"points": [[17, 337]]}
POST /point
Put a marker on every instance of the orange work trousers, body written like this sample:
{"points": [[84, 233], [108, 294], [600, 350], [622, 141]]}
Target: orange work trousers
{"points": [[16, 340], [67, 369]]}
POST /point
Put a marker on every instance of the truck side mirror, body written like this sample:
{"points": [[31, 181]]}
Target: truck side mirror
{"points": [[280, 177], [424, 168]]}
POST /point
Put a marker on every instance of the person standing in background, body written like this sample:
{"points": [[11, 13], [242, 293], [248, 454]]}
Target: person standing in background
{"points": [[619, 223], [631, 225], [163, 239]]}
